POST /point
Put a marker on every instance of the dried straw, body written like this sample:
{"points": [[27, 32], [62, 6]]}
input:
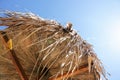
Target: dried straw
{"points": [[46, 50]]}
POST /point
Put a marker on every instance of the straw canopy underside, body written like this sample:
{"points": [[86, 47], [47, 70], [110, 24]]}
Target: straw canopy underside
{"points": [[46, 50]]}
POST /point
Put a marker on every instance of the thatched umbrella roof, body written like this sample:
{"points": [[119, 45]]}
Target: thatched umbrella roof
{"points": [[41, 49]]}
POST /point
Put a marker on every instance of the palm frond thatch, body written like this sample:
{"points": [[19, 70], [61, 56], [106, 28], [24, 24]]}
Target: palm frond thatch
{"points": [[45, 50]]}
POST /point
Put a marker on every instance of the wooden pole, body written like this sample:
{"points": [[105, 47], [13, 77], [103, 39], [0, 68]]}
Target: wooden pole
{"points": [[66, 75], [13, 56]]}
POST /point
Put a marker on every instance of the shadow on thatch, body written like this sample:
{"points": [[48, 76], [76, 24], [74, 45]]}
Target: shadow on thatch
{"points": [[41, 49]]}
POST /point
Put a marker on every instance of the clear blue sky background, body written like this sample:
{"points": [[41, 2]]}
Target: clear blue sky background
{"points": [[97, 21]]}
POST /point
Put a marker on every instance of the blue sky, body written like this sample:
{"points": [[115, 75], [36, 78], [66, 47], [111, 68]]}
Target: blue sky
{"points": [[97, 21]]}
